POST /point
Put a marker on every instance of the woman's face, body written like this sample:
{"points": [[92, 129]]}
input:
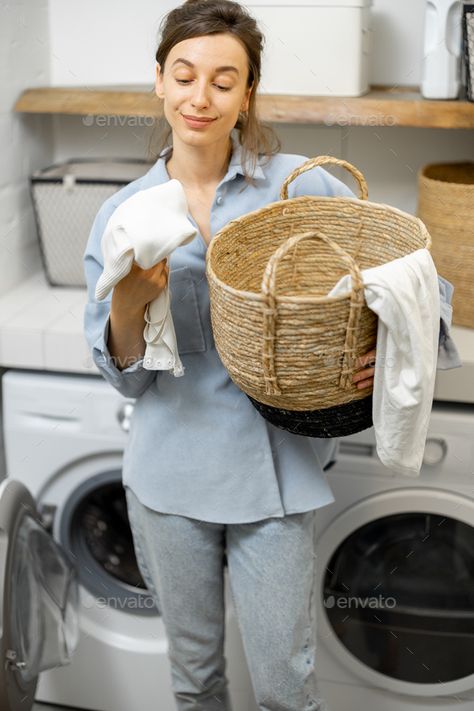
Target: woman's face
{"points": [[204, 77]]}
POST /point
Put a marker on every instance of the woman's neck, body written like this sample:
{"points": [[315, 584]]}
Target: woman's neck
{"points": [[198, 167]]}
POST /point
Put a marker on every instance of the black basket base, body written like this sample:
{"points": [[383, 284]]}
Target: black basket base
{"points": [[336, 421]]}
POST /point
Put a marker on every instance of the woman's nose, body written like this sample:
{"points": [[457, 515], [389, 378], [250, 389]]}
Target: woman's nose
{"points": [[200, 96]]}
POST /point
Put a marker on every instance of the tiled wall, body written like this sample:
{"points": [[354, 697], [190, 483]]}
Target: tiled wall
{"points": [[26, 142]]}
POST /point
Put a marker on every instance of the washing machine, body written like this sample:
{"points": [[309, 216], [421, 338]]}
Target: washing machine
{"points": [[63, 513], [395, 575]]}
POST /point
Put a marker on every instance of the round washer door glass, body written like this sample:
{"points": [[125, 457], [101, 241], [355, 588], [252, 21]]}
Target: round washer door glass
{"points": [[93, 525], [399, 595], [45, 629]]}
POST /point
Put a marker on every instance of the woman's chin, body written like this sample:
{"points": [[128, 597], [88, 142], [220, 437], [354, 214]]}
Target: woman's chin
{"points": [[196, 138]]}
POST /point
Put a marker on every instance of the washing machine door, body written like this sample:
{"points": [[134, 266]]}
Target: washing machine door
{"points": [[38, 599], [397, 597]]}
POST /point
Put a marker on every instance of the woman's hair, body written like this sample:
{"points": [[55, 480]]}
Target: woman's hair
{"points": [[196, 18]]}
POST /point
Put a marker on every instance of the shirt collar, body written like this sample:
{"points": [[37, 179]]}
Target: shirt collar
{"points": [[159, 172]]}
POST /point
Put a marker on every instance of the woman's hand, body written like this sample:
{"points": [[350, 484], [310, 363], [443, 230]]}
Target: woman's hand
{"points": [[365, 378], [129, 299], [140, 286]]}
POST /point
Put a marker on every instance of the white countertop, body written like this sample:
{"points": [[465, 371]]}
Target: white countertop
{"points": [[41, 328]]}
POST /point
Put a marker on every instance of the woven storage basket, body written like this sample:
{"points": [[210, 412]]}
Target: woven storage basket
{"points": [[66, 199], [287, 345], [446, 205]]}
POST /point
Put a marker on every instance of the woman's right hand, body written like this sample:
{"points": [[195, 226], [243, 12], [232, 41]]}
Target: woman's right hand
{"points": [[140, 286]]}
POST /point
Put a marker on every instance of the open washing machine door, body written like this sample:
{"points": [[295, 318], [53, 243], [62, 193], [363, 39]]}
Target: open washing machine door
{"points": [[38, 599]]}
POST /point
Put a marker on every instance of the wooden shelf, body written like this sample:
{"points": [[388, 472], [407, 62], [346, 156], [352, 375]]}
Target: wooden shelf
{"points": [[85, 101], [382, 106]]}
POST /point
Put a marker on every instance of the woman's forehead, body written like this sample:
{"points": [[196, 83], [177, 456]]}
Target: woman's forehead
{"points": [[209, 52]]}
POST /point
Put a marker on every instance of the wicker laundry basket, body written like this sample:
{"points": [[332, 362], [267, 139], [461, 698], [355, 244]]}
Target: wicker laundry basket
{"points": [[446, 205], [284, 342]]}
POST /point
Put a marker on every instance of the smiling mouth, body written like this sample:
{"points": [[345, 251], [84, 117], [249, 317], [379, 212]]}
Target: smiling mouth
{"points": [[201, 120]]}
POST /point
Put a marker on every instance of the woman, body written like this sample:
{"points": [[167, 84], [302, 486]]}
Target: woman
{"points": [[207, 479]]}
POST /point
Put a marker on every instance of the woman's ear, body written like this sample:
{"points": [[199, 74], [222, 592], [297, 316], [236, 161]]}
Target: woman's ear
{"points": [[159, 82], [246, 99]]}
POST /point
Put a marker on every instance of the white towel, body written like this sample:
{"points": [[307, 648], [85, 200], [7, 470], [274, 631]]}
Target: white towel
{"points": [[404, 293], [146, 228]]}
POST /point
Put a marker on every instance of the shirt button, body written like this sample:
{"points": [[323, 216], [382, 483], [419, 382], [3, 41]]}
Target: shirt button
{"points": [[220, 200]]}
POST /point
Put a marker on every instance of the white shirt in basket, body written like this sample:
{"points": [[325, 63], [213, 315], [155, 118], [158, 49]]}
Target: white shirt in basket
{"points": [[404, 293]]}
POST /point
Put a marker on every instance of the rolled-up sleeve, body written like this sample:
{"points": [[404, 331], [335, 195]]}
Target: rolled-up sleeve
{"points": [[134, 379]]}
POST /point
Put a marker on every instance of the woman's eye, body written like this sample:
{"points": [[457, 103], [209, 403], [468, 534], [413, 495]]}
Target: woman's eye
{"points": [[218, 86]]}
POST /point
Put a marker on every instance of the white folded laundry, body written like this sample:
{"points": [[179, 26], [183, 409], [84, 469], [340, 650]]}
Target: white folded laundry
{"points": [[404, 293], [146, 228]]}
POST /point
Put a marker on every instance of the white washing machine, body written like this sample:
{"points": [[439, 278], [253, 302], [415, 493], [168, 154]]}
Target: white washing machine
{"points": [[63, 512], [395, 562]]}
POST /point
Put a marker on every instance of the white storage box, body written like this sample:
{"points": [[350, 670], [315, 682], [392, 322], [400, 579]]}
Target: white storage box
{"points": [[314, 47], [66, 199]]}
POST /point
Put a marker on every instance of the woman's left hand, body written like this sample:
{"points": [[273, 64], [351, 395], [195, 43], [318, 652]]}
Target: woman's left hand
{"points": [[365, 378]]}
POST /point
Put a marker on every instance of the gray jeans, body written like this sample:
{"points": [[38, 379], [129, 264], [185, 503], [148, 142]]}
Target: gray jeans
{"points": [[271, 572]]}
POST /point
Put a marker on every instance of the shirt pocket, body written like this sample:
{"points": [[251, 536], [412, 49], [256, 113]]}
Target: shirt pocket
{"points": [[185, 311]]}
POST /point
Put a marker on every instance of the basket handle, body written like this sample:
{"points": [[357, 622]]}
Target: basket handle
{"points": [[324, 160], [270, 310]]}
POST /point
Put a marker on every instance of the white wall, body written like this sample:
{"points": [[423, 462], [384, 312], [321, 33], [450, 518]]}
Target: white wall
{"points": [[397, 42], [26, 142], [120, 44]]}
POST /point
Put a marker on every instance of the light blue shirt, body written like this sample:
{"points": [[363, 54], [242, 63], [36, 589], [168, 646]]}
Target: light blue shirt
{"points": [[196, 446]]}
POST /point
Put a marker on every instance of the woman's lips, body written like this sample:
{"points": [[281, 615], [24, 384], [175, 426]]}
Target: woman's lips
{"points": [[197, 123]]}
